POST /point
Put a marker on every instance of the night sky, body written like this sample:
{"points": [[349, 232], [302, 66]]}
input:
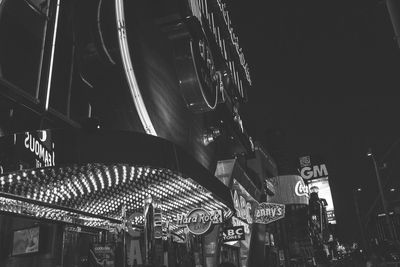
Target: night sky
{"points": [[327, 74]]}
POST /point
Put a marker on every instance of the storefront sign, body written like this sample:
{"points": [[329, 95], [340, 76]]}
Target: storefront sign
{"points": [[242, 207], [199, 221], [27, 150], [269, 212], [38, 144], [234, 233], [238, 222]]}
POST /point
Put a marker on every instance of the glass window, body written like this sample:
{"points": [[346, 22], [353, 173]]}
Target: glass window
{"points": [[68, 91], [22, 26]]}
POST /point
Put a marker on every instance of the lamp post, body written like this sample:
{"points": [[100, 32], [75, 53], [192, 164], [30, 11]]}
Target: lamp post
{"points": [[355, 198], [384, 204]]}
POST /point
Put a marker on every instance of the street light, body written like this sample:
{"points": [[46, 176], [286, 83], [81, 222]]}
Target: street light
{"points": [[355, 198], [384, 204]]}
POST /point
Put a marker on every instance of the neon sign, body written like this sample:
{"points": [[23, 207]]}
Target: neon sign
{"points": [[198, 221], [45, 156], [301, 189]]}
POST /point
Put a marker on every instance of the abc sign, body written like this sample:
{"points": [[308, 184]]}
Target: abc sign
{"points": [[234, 233], [238, 231]]}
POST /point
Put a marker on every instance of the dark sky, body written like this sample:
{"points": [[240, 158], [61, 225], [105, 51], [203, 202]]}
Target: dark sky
{"points": [[327, 73]]}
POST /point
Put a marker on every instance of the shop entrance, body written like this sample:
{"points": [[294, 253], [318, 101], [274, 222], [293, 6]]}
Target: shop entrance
{"points": [[230, 254]]}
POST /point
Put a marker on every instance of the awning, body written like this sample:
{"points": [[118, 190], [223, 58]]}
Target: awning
{"points": [[87, 178]]}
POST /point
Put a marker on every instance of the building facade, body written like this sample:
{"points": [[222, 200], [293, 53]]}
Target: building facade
{"points": [[114, 119]]}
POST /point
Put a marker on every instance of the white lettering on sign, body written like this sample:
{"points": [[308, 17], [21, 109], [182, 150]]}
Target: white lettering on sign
{"points": [[36, 146], [268, 212], [301, 189], [242, 207], [237, 222], [233, 234], [314, 172], [198, 221]]}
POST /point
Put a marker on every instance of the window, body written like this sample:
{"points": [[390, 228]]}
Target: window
{"points": [[22, 31]]}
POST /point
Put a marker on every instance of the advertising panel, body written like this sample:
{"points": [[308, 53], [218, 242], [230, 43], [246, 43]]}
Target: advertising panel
{"points": [[291, 188], [321, 186], [315, 174]]}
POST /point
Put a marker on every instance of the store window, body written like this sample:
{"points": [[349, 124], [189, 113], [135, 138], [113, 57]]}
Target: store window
{"points": [[22, 30]]}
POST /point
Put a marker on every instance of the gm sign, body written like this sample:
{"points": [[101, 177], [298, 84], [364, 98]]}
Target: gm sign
{"points": [[312, 172]]}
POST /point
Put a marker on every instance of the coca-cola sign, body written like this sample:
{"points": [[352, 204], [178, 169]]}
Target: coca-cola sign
{"points": [[198, 221], [301, 189]]}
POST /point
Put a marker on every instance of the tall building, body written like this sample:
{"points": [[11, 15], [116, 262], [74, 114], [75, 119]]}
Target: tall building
{"points": [[114, 119]]}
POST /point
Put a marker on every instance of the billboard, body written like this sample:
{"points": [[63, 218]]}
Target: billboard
{"points": [[291, 190], [315, 174]]}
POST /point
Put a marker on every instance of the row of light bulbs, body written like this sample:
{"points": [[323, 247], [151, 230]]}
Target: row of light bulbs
{"points": [[102, 190]]}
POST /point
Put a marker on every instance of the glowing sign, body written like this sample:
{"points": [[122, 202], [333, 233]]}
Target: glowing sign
{"points": [[234, 233], [314, 172], [321, 186], [268, 212], [198, 221], [301, 189], [38, 144]]}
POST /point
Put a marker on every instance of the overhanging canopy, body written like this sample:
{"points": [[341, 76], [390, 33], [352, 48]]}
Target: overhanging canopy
{"points": [[92, 175]]}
